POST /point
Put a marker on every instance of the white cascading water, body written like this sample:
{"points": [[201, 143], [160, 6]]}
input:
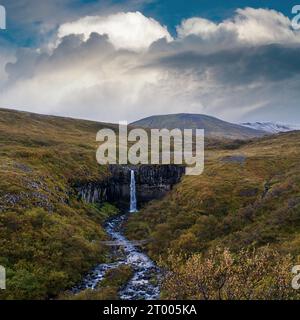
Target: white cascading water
{"points": [[133, 207]]}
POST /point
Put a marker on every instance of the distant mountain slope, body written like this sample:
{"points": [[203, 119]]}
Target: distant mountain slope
{"points": [[271, 127], [213, 127]]}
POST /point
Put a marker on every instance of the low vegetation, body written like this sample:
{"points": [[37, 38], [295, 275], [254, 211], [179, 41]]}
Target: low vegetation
{"points": [[48, 238], [246, 197], [250, 274]]}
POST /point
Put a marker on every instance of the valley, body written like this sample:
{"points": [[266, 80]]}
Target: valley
{"points": [[60, 215]]}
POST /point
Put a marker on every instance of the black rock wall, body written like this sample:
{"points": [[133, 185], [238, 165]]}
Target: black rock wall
{"points": [[152, 182]]}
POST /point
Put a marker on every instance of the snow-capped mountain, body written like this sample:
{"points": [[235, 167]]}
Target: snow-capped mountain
{"points": [[271, 127]]}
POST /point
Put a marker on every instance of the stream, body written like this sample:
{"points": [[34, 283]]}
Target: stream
{"points": [[144, 285]]}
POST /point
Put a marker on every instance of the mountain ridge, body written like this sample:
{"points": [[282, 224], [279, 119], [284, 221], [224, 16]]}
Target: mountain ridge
{"points": [[271, 127], [213, 126]]}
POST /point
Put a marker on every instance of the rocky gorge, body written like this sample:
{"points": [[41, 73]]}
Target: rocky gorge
{"points": [[150, 182]]}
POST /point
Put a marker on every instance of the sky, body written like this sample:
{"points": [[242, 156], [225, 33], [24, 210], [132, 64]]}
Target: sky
{"points": [[122, 60]]}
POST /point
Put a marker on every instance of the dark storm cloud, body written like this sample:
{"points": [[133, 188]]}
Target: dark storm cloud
{"points": [[29, 62], [239, 65]]}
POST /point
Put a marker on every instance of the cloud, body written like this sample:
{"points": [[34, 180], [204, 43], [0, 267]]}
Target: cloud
{"points": [[33, 22], [102, 69], [197, 26], [251, 26], [131, 30], [239, 66], [95, 80]]}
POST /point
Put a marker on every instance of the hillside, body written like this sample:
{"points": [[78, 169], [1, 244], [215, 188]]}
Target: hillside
{"points": [[47, 237], [214, 128], [248, 197]]}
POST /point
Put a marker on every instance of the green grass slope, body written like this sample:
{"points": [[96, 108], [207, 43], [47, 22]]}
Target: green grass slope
{"points": [[47, 237], [246, 197]]}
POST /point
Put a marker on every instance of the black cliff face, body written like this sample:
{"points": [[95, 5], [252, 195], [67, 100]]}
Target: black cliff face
{"points": [[152, 182]]}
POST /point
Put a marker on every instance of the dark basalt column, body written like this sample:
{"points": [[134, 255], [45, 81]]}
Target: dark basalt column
{"points": [[152, 182]]}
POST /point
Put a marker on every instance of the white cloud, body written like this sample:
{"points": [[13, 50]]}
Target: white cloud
{"points": [[197, 26], [131, 30], [251, 26]]}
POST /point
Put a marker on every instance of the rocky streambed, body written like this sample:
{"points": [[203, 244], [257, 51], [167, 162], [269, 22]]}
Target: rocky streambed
{"points": [[144, 285]]}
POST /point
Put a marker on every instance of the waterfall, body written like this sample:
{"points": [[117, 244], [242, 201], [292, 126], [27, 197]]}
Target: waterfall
{"points": [[133, 207]]}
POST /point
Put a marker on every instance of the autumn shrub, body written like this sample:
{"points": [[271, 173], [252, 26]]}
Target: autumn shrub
{"points": [[251, 274], [46, 253]]}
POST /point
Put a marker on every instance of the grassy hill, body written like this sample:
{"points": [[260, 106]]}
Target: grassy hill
{"points": [[247, 197], [214, 128], [47, 237]]}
